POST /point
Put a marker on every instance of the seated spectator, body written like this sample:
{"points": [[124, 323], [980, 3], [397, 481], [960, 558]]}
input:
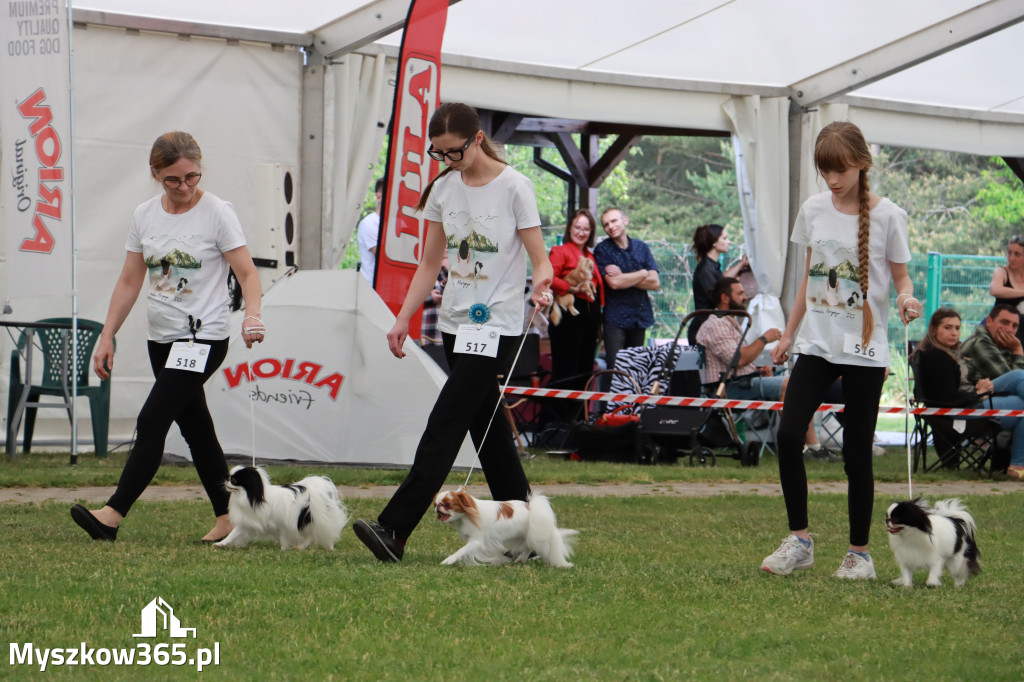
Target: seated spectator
{"points": [[944, 380], [720, 336], [994, 349]]}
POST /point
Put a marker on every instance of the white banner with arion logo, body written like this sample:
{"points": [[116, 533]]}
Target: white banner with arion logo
{"points": [[35, 125]]}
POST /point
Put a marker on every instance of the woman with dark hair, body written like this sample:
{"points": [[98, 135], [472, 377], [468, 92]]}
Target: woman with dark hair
{"points": [[574, 338], [709, 243], [1007, 284], [942, 376], [481, 201]]}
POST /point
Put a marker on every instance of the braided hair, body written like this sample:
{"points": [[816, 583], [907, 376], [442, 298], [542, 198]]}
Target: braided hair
{"points": [[840, 145]]}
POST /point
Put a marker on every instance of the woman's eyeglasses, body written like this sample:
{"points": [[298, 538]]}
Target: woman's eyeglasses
{"points": [[453, 155], [171, 182]]}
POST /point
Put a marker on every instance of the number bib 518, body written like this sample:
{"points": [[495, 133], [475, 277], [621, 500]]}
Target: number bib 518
{"points": [[478, 340], [187, 356]]}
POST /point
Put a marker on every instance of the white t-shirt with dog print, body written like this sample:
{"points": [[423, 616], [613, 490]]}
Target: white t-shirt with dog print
{"points": [[187, 269], [487, 259], [834, 298]]}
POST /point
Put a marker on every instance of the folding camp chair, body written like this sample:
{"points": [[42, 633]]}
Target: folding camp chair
{"points": [[977, 444]]}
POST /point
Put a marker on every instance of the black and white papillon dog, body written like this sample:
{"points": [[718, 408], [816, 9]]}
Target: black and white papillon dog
{"points": [[297, 515], [922, 536]]}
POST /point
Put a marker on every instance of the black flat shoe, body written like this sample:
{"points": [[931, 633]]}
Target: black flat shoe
{"points": [[91, 525], [213, 541]]}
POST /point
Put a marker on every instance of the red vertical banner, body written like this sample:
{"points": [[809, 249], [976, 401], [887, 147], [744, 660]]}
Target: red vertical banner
{"points": [[409, 169]]}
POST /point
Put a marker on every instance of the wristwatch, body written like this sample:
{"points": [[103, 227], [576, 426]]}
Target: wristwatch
{"points": [[763, 339]]}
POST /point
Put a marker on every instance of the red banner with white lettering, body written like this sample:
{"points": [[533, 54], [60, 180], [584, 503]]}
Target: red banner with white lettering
{"points": [[35, 117], [409, 169]]}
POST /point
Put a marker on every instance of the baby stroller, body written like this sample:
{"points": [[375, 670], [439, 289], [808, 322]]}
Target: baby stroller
{"points": [[697, 432]]}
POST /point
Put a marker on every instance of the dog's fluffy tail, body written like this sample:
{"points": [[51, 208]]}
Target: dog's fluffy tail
{"points": [[326, 510], [552, 544], [954, 510]]}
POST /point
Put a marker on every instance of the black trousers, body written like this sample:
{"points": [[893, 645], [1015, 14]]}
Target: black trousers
{"points": [[466, 403], [862, 387], [177, 396], [574, 345]]}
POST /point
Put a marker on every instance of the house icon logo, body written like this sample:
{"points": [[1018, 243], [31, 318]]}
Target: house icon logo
{"points": [[158, 614]]}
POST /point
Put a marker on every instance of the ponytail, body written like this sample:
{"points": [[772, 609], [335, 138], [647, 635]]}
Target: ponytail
{"points": [[461, 120]]}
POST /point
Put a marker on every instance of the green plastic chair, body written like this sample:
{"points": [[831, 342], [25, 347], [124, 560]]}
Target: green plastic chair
{"points": [[50, 342]]}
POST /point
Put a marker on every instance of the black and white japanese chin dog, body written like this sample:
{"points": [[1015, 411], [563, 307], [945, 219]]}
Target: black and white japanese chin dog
{"points": [[295, 515], [500, 532], [936, 537]]}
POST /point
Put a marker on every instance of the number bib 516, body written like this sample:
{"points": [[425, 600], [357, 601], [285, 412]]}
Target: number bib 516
{"points": [[854, 345], [478, 340], [187, 356]]}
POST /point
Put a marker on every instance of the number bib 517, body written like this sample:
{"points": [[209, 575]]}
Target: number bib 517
{"points": [[187, 356], [478, 340]]}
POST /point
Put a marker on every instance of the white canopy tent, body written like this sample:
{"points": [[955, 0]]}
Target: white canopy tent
{"points": [[275, 89]]}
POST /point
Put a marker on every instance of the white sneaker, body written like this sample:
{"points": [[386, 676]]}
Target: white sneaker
{"points": [[791, 556], [856, 567]]}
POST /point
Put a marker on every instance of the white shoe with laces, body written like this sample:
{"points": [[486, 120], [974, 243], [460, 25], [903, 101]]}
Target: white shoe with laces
{"points": [[791, 556], [856, 567]]}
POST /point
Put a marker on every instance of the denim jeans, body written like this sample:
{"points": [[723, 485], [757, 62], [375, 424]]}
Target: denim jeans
{"points": [[1013, 383]]}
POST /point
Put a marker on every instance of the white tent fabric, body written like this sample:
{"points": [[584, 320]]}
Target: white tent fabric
{"points": [[324, 387], [762, 161], [362, 107], [943, 74]]}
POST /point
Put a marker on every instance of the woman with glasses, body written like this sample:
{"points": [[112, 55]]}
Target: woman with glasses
{"points": [[482, 208], [574, 336], [183, 240], [1008, 280]]}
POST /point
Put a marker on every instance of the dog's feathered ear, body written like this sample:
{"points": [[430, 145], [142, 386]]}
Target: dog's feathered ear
{"points": [[464, 503]]}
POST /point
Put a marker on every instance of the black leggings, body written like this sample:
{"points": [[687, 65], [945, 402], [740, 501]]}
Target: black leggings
{"points": [[466, 404], [177, 396], [862, 386]]}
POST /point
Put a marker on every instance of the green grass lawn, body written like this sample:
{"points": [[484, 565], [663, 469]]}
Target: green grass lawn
{"points": [[663, 589]]}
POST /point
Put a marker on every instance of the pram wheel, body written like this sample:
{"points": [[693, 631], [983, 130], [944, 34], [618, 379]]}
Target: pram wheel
{"points": [[701, 455], [750, 453]]}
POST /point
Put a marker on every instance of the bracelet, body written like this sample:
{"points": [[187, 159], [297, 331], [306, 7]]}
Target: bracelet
{"points": [[910, 297], [764, 339], [252, 317]]}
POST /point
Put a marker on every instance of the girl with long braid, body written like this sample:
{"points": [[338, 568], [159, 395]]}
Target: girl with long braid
{"points": [[862, 239]]}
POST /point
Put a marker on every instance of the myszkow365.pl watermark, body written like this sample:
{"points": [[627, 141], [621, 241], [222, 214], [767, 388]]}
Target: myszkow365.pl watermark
{"points": [[157, 616]]}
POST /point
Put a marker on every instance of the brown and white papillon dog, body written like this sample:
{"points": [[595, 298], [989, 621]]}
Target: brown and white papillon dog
{"points": [[500, 532]]}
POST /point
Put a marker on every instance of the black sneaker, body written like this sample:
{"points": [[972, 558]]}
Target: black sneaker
{"points": [[382, 541]]}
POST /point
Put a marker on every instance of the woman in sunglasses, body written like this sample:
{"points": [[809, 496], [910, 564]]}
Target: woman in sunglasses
{"points": [[183, 240], [483, 211], [1008, 280]]}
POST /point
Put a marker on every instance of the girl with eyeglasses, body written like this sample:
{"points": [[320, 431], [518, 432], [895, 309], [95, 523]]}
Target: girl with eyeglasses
{"points": [[183, 240], [856, 244], [1007, 284], [483, 213]]}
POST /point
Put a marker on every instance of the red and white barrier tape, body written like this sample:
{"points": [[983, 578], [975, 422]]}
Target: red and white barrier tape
{"points": [[680, 401]]}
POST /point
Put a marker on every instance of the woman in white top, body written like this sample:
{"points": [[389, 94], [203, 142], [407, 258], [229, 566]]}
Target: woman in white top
{"points": [[856, 243], [483, 213], [184, 240]]}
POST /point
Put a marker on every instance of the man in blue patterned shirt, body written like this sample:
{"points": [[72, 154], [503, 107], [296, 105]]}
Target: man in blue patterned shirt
{"points": [[629, 272]]}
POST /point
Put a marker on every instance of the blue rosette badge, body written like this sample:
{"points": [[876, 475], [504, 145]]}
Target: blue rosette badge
{"points": [[479, 313]]}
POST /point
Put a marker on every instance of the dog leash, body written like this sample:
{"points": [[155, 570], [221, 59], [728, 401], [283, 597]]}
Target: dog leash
{"points": [[906, 415], [501, 394], [261, 329]]}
